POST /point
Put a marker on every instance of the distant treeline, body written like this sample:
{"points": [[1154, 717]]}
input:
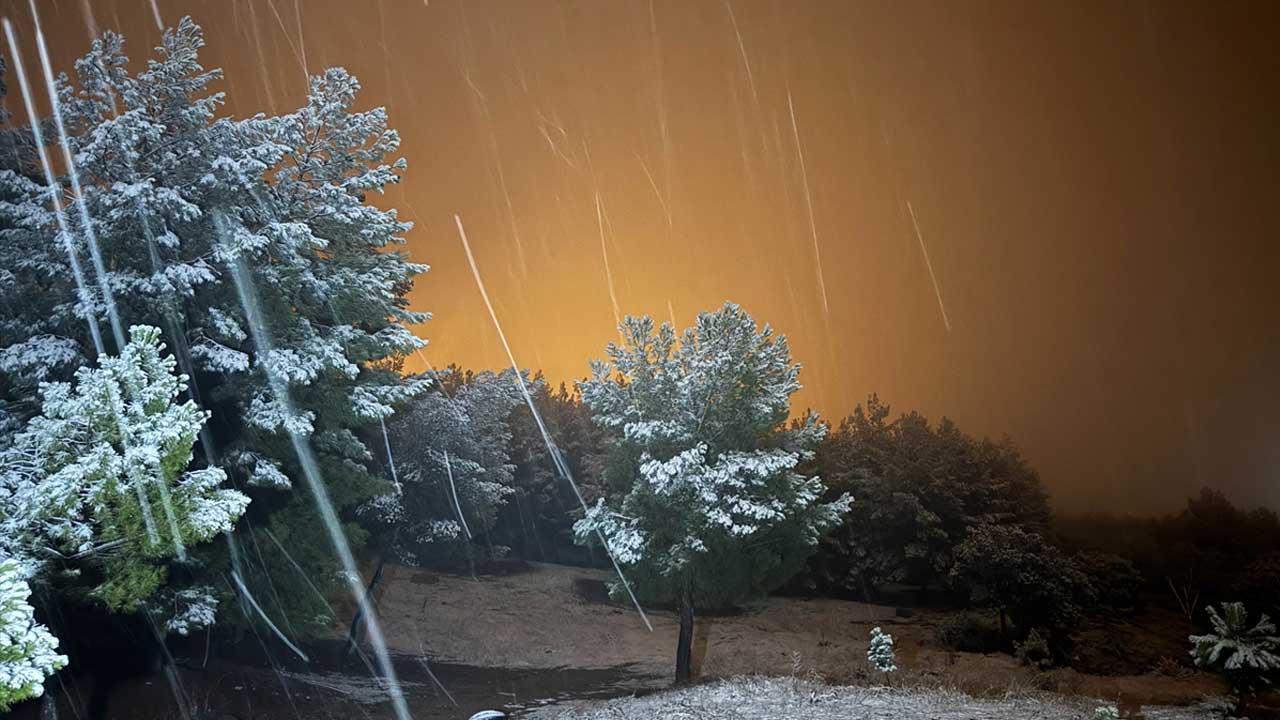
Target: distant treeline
{"points": [[937, 514], [1208, 552]]}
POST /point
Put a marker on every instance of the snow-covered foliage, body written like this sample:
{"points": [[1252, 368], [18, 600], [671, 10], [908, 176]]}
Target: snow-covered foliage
{"points": [[1248, 656], [28, 651], [880, 652], [920, 487], [1106, 712], [178, 194], [707, 502], [193, 608], [101, 474], [453, 455]]}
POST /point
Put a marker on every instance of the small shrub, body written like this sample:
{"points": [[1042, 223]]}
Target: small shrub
{"points": [[880, 652], [1106, 712], [1170, 667], [1034, 651], [970, 632]]}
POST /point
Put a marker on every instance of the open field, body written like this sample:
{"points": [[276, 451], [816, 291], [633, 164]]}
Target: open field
{"points": [[539, 616]]}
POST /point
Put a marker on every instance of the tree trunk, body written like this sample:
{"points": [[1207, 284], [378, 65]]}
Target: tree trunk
{"points": [[352, 634], [1004, 626], [684, 648]]}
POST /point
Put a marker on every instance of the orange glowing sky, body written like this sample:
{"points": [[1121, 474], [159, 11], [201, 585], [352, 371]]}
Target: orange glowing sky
{"points": [[1095, 184]]}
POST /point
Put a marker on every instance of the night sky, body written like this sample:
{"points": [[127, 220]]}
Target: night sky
{"points": [[1055, 221]]}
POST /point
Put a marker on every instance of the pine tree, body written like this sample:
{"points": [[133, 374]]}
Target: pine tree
{"points": [[710, 509], [921, 487], [453, 461], [1022, 577], [28, 651], [98, 481], [880, 651], [539, 517], [181, 198], [1249, 657]]}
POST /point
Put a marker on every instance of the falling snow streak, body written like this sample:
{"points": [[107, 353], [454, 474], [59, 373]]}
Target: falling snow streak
{"points": [[427, 666], [502, 175], [302, 39], [808, 199], [608, 272], [742, 50], [929, 264], [86, 299], [660, 93], [90, 23], [95, 253], [155, 14], [302, 573], [244, 592], [448, 468], [666, 210], [552, 449], [262, 59], [391, 461], [311, 472], [176, 688], [301, 55]]}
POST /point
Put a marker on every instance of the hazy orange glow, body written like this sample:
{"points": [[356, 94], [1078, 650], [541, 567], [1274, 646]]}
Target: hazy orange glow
{"points": [[1095, 185]]}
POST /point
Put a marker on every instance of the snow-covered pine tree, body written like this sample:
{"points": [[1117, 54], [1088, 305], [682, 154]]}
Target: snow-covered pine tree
{"points": [[1249, 657], [40, 335], [28, 651], [880, 651], [453, 454], [708, 508], [96, 487], [177, 195]]}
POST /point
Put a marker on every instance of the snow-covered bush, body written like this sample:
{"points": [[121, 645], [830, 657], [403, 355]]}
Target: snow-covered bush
{"points": [[100, 476], [1106, 712], [707, 507], [1249, 657], [880, 651], [28, 651]]}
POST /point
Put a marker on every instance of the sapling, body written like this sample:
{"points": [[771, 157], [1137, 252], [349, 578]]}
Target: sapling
{"points": [[880, 652], [1248, 657]]}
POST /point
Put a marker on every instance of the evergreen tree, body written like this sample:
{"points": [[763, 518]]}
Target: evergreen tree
{"points": [[28, 651], [1249, 657], [921, 487], [880, 651], [179, 199], [710, 508], [1022, 577], [539, 517], [95, 490], [453, 459]]}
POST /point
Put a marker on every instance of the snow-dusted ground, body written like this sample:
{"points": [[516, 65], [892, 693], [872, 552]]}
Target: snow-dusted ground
{"points": [[786, 699]]}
